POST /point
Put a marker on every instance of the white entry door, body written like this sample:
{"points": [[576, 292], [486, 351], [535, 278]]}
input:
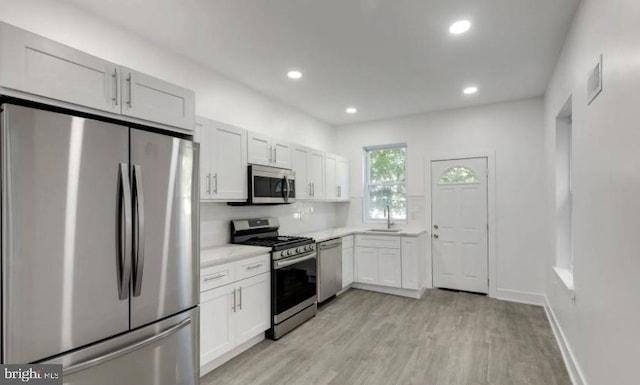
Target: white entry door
{"points": [[460, 225]]}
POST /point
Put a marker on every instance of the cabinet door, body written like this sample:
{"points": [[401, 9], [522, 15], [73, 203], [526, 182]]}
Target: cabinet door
{"points": [[410, 267], [343, 178], [366, 265], [330, 172], [259, 150], [152, 99], [281, 155], [347, 266], [299, 165], [39, 66], [254, 307], [202, 135], [315, 173], [229, 165], [389, 268], [217, 326]]}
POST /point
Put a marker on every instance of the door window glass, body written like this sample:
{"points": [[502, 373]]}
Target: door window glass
{"points": [[458, 174]]}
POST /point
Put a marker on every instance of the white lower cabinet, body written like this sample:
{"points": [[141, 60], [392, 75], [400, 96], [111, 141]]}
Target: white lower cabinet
{"points": [[389, 268], [347, 261], [234, 313], [390, 261]]}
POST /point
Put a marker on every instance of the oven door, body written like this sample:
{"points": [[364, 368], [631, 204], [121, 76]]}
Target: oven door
{"points": [[293, 285], [270, 185]]}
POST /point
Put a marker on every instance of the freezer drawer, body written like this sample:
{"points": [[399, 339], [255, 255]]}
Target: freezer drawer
{"points": [[165, 353]]}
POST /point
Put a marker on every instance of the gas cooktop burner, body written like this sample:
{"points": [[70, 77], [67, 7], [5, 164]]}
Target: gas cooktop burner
{"points": [[279, 242]]}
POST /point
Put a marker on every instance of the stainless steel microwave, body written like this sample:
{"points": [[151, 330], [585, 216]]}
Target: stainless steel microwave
{"points": [[270, 185]]}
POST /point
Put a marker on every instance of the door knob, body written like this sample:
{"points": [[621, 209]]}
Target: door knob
{"points": [[435, 236], [435, 227]]}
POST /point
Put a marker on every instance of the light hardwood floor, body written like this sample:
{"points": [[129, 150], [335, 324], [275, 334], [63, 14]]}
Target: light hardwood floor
{"points": [[446, 338]]}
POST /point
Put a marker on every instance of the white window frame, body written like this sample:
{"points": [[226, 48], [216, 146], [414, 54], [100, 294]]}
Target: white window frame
{"points": [[366, 184]]}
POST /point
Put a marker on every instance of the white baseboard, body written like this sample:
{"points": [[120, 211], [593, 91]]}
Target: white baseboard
{"points": [[577, 378], [415, 294], [521, 297], [208, 367]]}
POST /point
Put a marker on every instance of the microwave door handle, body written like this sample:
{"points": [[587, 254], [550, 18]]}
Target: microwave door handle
{"points": [[285, 188]]}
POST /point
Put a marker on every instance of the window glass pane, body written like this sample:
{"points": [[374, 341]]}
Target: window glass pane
{"points": [[392, 195], [459, 174], [387, 165]]}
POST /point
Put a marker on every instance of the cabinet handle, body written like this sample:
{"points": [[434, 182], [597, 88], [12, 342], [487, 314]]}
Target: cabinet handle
{"points": [[209, 183], [275, 155], [115, 86], [270, 154], [257, 265], [215, 186], [217, 276], [240, 300], [130, 101], [313, 189], [234, 301]]}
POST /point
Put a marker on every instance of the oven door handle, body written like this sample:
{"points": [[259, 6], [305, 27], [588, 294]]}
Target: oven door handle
{"points": [[289, 262]]}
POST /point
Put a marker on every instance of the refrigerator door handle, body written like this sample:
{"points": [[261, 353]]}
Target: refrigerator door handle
{"points": [[124, 231], [138, 231], [126, 350]]}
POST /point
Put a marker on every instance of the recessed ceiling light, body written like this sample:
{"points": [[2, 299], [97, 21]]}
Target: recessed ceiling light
{"points": [[470, 90], [459, 27], [294, 74], [351, 110]]}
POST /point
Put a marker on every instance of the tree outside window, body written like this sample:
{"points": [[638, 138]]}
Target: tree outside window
{"points": [[385, 182]]}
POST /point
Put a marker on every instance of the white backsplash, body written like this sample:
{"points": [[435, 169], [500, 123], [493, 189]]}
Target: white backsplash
{"points": [[352, 216], [297, 218]]}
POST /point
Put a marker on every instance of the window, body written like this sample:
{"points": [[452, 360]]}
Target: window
{"points": [[458, 174], [385, 183]]}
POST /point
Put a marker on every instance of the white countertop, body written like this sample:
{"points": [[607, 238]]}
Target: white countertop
{"points": [[323, 235], [212, 256], [228, 253]]}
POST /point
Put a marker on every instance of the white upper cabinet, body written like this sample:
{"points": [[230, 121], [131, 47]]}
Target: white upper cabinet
{"points": [[223, 161], [202, 135], [33, 65], [299, 165], [315, 175], [336, 177], [330, 172], [42, 67], [267, 151], [149, 98], [342, 178]]}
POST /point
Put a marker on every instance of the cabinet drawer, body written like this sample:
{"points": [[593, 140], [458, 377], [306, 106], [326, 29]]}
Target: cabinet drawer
{"points": [[217, 276], [253, 266], [384, 241], [347, 242]]}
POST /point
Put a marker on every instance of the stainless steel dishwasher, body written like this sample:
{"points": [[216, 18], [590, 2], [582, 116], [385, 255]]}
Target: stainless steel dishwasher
{"points": [[329, 268]]}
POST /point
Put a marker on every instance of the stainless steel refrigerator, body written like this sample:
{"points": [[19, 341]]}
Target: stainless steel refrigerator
{"points": [[99, 249]]}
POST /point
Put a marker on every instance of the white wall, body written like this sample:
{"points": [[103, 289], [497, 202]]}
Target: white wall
{"points": [[601, 326], [217, 97], [515, 132]]}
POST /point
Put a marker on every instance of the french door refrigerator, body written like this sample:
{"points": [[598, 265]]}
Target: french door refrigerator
{"points": [[99, 249]]}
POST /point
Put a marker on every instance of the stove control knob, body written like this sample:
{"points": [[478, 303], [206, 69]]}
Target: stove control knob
{"points": [[299, 249], [308, 247], [284, 253]]}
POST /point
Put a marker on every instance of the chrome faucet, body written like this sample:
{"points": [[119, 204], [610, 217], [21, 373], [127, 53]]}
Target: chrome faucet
{"points": [[387, 214]]}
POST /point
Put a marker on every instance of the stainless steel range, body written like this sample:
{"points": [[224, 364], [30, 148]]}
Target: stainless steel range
{"points": [[293, 272]]}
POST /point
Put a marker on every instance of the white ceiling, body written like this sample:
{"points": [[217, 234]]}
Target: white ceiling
{"points": [[386, 57]]}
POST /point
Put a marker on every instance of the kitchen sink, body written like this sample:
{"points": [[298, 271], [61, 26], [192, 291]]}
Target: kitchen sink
{"points": [[385, 230]]}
